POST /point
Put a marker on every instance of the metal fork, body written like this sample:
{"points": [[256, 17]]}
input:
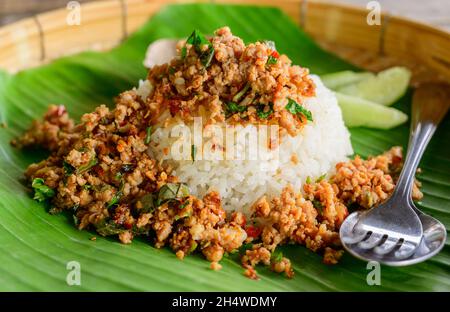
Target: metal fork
{"points": [[392, 231]]}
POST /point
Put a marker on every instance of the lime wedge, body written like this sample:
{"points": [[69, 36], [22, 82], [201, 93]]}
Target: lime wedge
{"points": [[360, 112], [343, 78], [385, 88]]}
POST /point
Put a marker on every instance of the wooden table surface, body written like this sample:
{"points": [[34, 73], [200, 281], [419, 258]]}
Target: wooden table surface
{"points": [[434, 12]]}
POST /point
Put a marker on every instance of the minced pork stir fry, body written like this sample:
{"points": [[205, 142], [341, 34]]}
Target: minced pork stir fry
{"points": [[99, 169]]}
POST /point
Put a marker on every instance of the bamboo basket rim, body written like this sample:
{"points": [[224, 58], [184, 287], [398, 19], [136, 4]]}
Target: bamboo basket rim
{"points": [[386, 16]]}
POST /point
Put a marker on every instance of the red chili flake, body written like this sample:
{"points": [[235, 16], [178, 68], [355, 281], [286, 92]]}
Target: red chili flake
{"points": [[128, 225], [174, 106], [253, 231], [244, 221], [275, 54]]}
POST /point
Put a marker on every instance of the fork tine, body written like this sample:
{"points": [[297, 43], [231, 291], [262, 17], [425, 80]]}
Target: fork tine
{"points": [[387, 246], [355, 237], [405, 250], [371, 242]]}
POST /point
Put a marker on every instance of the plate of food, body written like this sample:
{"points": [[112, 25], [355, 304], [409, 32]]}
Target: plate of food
{"points": [[209, 147]]}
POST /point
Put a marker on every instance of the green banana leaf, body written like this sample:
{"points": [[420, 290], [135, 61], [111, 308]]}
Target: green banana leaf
{"points": [[35, 246]]}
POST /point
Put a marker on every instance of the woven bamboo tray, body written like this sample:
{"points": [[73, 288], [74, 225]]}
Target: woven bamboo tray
{"points": [[341, 29]]}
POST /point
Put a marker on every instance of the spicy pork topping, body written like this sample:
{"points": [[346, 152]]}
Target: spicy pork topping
{"points": [[221, 79]]}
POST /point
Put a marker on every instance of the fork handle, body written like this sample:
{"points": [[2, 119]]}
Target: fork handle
{"points": [[419, 139], [430, 104]]}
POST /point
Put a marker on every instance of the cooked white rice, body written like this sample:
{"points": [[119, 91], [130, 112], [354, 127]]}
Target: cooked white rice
{"points": [[321, 144]]}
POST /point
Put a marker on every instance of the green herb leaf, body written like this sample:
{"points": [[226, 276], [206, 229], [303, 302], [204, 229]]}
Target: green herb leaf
{"points": [[261, 113], [193, 247], [321, 178], [186, 213], [271, 60], [294, 108], [87, 186], [233, 108], [148, 203], [118, 176], [198, 41], [318, 205], [238, 95], [172, 191], [68, 168], [183, 205], [308, 180], [106, 228], [183, 52], [277, 256], [148, 136], [41, 191], [116, 198], [193, 152], [244, 248], [88, 166]]}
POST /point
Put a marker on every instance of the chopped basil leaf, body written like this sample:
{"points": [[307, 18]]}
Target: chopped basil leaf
{"points": [[171, 191], [233, 108], [318, 205], [68, 168], [41, 191], [183, 52], [143, 230], [88, 166], [261, 113], [118, 176], [116, 198], [186, 214], [87, 186], [271, 60], [193, 247], [171, 70], [206, 57], [148, 202], [148, 136], [193, 152], [106, 228], [276, 256], [198, 40], [238, 95], [321, 177], [294, 108], [245, 247], [183, 205]]}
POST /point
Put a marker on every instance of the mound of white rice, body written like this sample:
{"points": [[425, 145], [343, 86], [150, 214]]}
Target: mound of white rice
{"points": [[314, 152]]}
